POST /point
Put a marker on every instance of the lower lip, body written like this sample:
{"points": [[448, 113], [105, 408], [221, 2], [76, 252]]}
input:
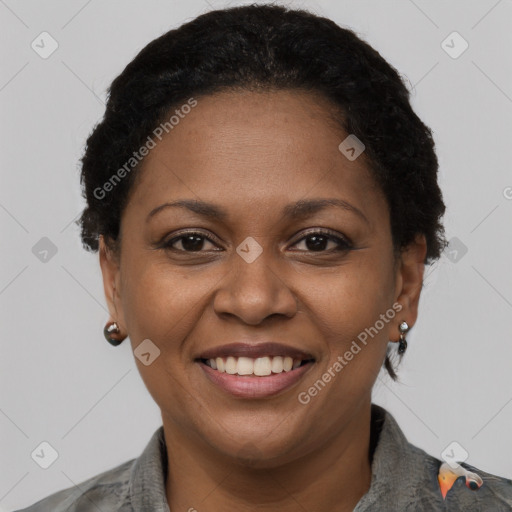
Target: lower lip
{"points": [[253, 386]]}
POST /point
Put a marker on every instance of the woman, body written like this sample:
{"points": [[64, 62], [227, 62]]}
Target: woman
{"points": [[264, 200]]}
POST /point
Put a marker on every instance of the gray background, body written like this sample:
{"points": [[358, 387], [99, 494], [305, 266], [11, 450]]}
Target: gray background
{"points": [[62, 383]]}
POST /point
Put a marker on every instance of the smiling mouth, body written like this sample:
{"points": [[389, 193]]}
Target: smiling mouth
{"points": [[255, 367]]}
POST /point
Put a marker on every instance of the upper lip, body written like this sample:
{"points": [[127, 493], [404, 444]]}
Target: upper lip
{"points": [[254, 350]]}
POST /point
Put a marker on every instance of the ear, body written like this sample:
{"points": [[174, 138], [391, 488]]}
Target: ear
{"points": [[409, 280], [110, 269]]}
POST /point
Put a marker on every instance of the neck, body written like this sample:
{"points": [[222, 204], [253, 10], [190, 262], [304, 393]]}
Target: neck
{"points": [[334, 477]]}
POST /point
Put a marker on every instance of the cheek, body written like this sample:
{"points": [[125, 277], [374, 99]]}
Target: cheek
{"points": [[160, 303], [163, 306], [351, 298], [352, 310]]}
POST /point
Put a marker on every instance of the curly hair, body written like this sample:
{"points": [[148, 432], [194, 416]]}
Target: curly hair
{"points": [[268, 47]]}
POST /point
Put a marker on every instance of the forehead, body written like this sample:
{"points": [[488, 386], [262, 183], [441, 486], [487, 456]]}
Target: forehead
{"points": [[253, 148]]}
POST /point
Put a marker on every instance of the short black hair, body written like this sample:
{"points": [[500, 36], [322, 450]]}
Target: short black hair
{"points": [[267, 47]]}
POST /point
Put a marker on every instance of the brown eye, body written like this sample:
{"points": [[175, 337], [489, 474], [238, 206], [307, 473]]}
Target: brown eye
{"points": [[190, 242], [317, 241]]}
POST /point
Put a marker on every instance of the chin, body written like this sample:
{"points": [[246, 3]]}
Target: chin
{"points": [[262, 451]]}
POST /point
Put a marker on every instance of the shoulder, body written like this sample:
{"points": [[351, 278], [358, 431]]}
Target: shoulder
{"points": [[461, 486], [475, 489], [106, 491], [136, 485], [410, 479]]}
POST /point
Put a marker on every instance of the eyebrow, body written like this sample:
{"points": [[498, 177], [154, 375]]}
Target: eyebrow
{"points": [[300, 209]]}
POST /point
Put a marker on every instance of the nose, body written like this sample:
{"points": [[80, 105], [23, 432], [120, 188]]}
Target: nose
{"points": [[254, 291]]}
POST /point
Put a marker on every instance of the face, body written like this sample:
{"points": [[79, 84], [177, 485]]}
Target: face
{"points": [[266, 269]]}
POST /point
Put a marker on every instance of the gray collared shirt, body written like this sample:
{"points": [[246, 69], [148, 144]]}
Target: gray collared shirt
{"points": [[404, 478]]}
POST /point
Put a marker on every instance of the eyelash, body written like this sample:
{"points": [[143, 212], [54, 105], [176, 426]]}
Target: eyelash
{"points": [[343, 244]]}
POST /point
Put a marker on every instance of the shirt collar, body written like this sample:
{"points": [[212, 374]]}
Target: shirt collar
{"points": [[148, 476], [399, 469]]}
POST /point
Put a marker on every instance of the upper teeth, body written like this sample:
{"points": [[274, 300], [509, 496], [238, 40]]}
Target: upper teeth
{"points": [[260, 366]]}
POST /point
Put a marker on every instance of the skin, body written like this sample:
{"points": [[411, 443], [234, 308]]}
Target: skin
{"points": [[252, 153]]}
